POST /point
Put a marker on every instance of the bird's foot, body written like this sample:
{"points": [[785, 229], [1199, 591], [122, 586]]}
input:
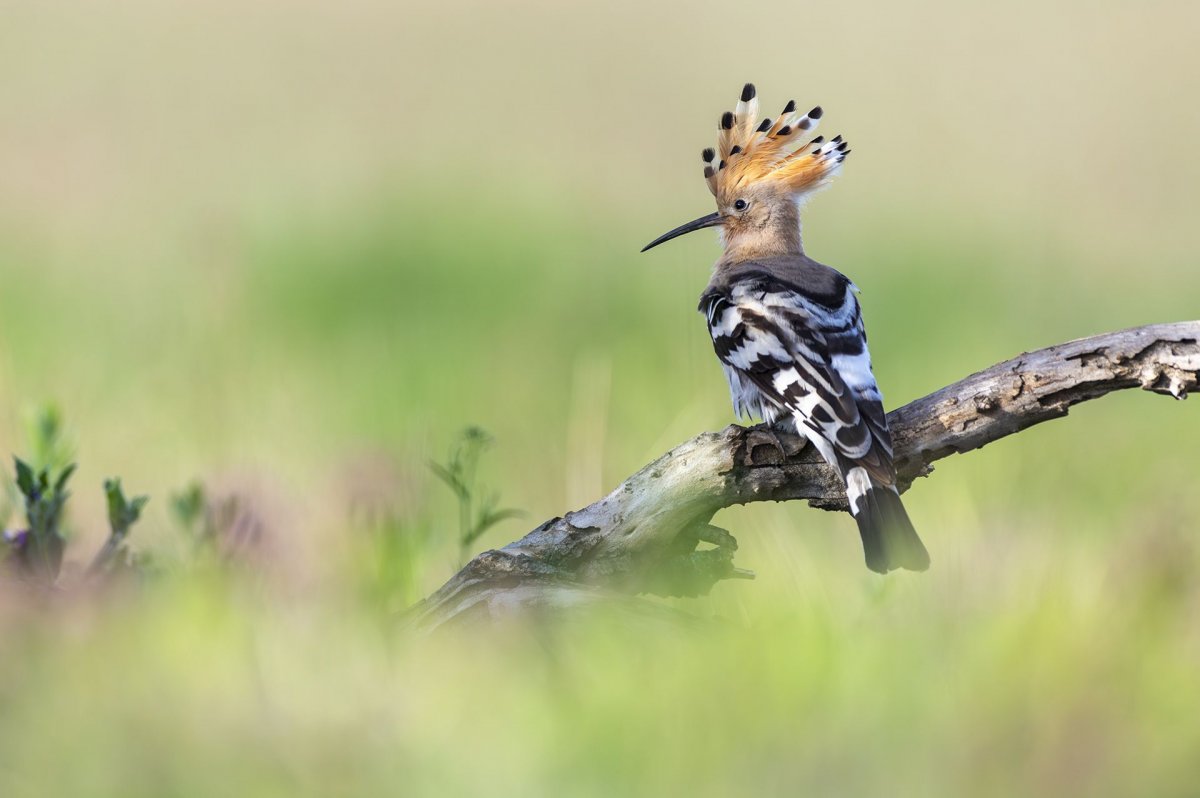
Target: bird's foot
{"points": [[767, 444]]}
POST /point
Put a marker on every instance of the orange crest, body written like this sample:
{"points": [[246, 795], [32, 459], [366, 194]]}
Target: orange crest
{"points": [[778, 150]]}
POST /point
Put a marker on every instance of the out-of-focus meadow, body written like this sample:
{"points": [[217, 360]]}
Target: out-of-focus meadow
{"points": [[290, 250]]}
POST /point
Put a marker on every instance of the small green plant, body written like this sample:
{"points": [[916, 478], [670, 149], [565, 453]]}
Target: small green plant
{"points": [[222, 528], [122, 514], [188, 510], [49, 448], [478, 511], [38, 549]]}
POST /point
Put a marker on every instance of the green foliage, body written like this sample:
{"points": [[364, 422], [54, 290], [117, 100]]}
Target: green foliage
{"points": [[478, 508], [38, 550], [122, 514], [188, 509], [49, 447], [203, 522], [221, 529]]}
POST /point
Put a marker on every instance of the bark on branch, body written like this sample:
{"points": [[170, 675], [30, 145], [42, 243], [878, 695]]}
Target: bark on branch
{"points": [[643, 537]]}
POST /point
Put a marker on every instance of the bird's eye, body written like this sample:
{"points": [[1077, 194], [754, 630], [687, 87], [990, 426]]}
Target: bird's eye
{"points": [[740, 205]]}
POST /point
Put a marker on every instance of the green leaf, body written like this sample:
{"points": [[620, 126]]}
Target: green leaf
{"points": [[135, 507], [450, 478], [24, 477], [63, 477], [116, 503], [492, 518], [122, 513], [488, 519]]}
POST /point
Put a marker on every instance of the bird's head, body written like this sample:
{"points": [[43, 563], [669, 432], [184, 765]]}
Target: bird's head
{"points": [[760, 172]]}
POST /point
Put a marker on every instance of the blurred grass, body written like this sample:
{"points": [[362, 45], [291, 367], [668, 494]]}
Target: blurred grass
{"points": [[293, 250]]}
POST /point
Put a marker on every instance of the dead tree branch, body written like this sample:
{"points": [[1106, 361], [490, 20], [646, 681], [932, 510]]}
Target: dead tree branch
{"points": [[643, 536]]}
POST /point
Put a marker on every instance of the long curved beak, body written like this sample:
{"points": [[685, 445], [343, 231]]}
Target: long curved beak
{"points": [[712, 220]]}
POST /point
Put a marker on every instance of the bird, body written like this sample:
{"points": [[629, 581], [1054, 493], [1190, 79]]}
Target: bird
{"points": [[788, 330]]}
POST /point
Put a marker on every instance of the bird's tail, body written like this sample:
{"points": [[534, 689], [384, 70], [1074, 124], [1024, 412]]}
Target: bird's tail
{"points": [[889, 540]]}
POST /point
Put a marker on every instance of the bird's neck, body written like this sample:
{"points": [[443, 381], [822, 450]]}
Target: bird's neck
{"points": [[778, 236]]}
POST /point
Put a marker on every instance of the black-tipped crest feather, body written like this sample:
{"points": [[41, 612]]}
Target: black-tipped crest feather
{"points": [[750, 149]]}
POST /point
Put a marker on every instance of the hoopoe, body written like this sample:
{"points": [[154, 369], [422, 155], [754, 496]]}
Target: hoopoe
{"points": [[788, 330]]}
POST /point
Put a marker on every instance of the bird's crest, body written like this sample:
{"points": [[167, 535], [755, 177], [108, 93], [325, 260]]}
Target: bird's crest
{"points": [[779, 150]]}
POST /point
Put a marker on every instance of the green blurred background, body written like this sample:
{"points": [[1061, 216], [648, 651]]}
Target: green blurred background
{"points": [[291, 249]]}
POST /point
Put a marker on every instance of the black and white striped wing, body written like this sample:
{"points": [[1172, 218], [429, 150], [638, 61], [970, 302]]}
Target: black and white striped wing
{"points": [[805, 356]]}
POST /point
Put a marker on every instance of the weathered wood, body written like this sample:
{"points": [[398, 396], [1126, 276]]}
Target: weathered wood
{"points": [[643, 536]]}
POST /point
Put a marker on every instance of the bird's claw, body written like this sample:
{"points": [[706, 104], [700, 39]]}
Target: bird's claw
{"points": [[765, 435]]}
